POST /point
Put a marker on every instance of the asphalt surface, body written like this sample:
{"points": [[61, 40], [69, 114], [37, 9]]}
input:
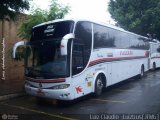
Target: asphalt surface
{"points": [[133, 99]]}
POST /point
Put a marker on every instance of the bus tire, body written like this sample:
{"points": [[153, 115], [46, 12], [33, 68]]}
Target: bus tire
{"points": [[154, 66], [98, 86], [142, 71]]}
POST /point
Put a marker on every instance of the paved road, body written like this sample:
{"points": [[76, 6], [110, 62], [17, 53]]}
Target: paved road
{"points": [[138, 98]]}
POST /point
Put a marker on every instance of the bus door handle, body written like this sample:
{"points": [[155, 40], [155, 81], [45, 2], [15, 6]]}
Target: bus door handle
{"points": [[80, 67]]}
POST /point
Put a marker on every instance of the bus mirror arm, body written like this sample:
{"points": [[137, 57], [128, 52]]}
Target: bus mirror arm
{"points": [[16, 45], [69, 36], [64, 43]]}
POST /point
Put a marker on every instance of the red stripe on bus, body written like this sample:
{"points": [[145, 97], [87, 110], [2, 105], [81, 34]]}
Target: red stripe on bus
{"points": [[155, 57], [46, 80], [114, 59]]}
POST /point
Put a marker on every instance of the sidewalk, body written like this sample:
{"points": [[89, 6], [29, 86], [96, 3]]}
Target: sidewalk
{"points": [[10, 89]]}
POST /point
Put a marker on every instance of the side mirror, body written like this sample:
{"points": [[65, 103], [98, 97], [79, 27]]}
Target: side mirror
{"points": [[64, 42], [16, 45]]}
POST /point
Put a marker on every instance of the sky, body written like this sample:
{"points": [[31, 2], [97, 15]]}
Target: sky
{"points": [[84, 9]]}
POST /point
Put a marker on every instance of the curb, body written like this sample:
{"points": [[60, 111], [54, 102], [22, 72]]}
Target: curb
{"points": [[10, 96]]}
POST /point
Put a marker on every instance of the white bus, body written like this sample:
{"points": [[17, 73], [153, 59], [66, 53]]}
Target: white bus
{"points": [[67, 59], [154, 54]]}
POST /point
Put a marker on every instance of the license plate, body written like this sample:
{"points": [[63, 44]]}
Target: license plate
{"points": [[40, 92]]}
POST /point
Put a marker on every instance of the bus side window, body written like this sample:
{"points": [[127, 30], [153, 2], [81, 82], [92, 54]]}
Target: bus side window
{"points": [[81, 46], [77, 58], [158, 49]]}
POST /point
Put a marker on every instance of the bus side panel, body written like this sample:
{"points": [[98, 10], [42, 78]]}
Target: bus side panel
{"points": [[116, 64], [83, 83], [120, 64]]}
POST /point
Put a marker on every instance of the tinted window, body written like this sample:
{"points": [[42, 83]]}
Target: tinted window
{"points": [[118, 38], [138, 42], [53, 30], [155, 48], [125, 40], [134, 42], [103, 37], [81, 46], [77, 58], [44, 60], [109, 37]]}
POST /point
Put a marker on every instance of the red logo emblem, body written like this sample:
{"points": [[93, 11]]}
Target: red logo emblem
{"points": [[39, 92], [79, 89], [146, 54]]}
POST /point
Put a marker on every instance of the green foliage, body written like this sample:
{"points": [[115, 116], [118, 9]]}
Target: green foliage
{"points": [[56, 11], [24, 30], [138, 16], [12, 7]]}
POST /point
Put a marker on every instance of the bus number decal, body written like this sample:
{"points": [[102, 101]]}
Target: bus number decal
{"points": [[126, 52]]}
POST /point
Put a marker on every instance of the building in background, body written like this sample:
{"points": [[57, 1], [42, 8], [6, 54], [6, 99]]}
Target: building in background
{"points": [[11, 71]]}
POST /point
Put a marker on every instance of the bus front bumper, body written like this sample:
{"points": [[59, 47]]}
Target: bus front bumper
{"points": [[60, 94]]}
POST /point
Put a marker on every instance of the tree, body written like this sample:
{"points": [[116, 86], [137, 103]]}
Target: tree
{"points": [[138, 16], [56, 11], [9, 8]]}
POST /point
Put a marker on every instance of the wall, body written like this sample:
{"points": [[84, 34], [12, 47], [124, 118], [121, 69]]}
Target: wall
{"points": [[14, 70]]}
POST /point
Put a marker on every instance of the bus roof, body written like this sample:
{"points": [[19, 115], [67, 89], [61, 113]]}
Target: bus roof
{"points": [[92, 21], [76, 20]]}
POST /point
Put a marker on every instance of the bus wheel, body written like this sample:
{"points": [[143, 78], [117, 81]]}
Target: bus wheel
{"points": [[154, 66], [98, 86], [142, 72]]}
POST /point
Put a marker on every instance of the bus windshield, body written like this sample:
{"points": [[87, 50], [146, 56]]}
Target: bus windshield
{"points": [[43, 60]]}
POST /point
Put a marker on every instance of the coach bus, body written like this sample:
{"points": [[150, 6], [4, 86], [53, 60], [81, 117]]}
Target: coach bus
{"points": [[154, 54], [67, 59]]}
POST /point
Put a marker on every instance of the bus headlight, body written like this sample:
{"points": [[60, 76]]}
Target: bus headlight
{"points": [[27, 83], [63, 86]]}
